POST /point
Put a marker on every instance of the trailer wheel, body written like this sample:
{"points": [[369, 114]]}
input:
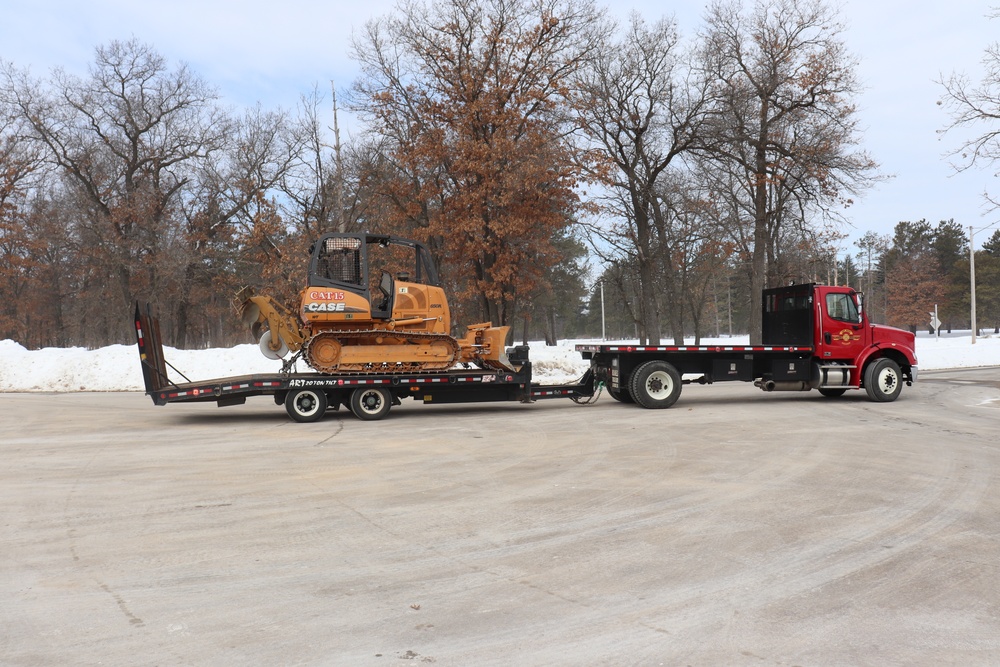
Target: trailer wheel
{"points": [[883, 380], [370, 403], [832, 393], [656, 384], [305, 405]]}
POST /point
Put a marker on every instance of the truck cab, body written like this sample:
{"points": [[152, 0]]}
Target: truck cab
{"points": [[848, 350]]}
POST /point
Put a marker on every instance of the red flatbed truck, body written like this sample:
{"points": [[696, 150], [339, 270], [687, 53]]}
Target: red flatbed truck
{"points": [[814, 337]]}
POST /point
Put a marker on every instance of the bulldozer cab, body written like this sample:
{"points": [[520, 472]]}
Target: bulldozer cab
{"points": [[382, 302], [368, 265], [338, 262]]}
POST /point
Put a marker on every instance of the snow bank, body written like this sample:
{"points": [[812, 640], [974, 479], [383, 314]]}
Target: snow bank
{"points": [[116, 368]]}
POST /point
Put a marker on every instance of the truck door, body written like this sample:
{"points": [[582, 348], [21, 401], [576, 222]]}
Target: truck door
{"points": [[842, 329]]}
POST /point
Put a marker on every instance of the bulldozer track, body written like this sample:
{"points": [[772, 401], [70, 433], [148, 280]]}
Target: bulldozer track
{"points": [[319, 351]]}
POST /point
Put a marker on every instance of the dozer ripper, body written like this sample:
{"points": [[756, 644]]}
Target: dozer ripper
{"points": [[352, 319]]}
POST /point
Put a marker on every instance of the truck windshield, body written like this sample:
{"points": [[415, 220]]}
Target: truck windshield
{"points": [[842, 307]]}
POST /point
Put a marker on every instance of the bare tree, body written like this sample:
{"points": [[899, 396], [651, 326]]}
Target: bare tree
{"points": [[315, 186], [638, 111], [692, 247], [158, 188], [224, 209], [466, 95], [913, 275], [126, 138], [784, 125], [976, 107], [21, 165]]}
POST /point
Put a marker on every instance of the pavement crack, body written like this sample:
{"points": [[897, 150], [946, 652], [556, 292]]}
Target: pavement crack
{"points": [[120, 601], [337, 432]]}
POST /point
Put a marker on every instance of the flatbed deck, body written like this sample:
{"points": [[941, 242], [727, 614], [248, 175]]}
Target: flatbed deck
{"points": [[713, 349]]}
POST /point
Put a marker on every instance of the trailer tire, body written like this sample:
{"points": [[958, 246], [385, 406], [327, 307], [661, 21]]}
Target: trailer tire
{"points": [[305, 405], [370, 403], [655, 384], [883, 380]]}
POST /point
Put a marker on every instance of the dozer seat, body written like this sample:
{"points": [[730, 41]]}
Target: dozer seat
{"points": [[383, 310]]}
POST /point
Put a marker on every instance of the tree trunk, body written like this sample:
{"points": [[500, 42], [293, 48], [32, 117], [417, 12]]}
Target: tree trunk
{"points": [[125, 284], [675, 317], [695, 320], [673, 297], [758, 275], [550, 326], [649, 315], [649, 312], [761, 237]]}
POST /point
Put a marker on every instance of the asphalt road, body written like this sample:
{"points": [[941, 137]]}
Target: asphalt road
{"points": [[735, 528]]}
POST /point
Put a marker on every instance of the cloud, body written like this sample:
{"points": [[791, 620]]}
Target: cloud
{"points": [[274, 52], [254, 50]]}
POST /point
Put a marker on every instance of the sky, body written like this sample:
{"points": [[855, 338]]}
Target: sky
{"points": [[273, 53]]}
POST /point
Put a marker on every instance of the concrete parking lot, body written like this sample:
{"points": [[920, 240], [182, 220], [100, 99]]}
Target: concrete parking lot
{"points": [[736, 528]]}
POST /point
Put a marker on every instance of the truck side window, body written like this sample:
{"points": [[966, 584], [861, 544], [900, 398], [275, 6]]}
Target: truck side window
{"points": [[842, 307]]}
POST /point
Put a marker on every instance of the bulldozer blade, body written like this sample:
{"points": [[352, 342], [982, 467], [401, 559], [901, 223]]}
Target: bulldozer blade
{"points": [[250, 313], [495, 352], [483, 345]]}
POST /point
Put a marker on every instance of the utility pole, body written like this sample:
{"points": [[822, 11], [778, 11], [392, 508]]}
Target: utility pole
{"points": [[604, 334], [729, 303], [972, 280], [972, 274], [338, 193]]}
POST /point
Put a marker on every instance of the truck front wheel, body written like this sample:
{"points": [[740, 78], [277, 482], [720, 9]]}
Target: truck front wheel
{"points": [[883, 380], [655, 384]]}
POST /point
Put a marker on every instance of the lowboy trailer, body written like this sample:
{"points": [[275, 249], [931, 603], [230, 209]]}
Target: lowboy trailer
{"points": [[307, 396]]}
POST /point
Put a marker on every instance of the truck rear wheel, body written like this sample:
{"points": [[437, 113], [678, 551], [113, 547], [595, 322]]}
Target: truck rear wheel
{"points": [[883, 380], [305, 405], [655, 384], [620, 395], [370, 403]]}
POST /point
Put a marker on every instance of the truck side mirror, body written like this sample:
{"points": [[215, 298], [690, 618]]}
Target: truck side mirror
{"points": [[861, 306]]}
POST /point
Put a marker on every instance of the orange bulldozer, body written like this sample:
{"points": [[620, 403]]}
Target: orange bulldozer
{"points": [[354, 320]]}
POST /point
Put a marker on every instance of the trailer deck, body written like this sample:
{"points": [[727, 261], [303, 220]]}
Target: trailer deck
{"points": [[306, 396]]}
